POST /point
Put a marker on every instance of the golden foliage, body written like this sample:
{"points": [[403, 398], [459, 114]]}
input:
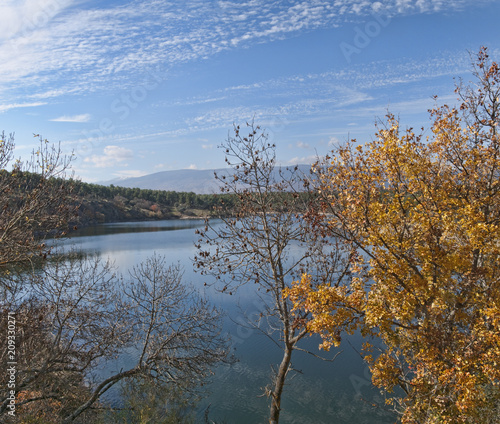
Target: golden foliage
{"points": [[46, 410], [424, 214]]}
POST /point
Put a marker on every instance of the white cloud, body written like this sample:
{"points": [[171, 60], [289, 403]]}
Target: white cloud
{"points": [[53, 93], [192, 166], [75, 118], [4, 108], [120, 153], [54, 47], [301, 160], [132, 173], [24, 16], [377, 6], [113, 155], [334, 141], [307, 96]]}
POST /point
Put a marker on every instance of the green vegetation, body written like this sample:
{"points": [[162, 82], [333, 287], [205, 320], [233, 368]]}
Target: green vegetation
{"points": [[95, 204], [171, 199], [99, 204]]}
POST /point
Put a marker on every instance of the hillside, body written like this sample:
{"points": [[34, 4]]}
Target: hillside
{"points": [[99, 204], [184, 180]]}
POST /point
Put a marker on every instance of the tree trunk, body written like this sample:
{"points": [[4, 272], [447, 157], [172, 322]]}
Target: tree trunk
{"points": [[278, 385]]}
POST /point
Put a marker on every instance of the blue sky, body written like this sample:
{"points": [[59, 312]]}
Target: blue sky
{"points": [[136, 87]]}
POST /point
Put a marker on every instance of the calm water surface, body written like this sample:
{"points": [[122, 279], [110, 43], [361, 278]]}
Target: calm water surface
{"points": [[320, 392]]}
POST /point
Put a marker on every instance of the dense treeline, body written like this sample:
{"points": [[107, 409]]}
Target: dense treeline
{"points": [[165, 198], [96, 191], [98, 203]]}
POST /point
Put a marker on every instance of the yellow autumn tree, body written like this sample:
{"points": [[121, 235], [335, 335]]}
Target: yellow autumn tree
{"points": [[424, 215]]}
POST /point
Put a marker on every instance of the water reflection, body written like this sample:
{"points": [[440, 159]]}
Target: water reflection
{"points": [[320, 392], [136, 227]]}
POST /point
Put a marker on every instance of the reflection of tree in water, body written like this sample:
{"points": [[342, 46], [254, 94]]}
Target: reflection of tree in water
{"points": [[74, 314], [306, 399], [129, 227]]}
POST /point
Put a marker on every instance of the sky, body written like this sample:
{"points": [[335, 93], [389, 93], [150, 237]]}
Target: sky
{"points": [[137, 87]]}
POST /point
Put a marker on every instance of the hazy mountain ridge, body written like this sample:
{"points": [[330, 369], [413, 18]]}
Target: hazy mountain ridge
{"points": [[185, 180]]}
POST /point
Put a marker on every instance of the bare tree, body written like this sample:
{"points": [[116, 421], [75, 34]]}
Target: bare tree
{"points": [[67, 321], [84, 317], [72, 314], [265, 239], [175, 331], [35, 201]]}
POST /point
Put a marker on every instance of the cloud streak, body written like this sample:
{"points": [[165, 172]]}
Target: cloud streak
{"points": [[75, 118], [54, 48], [6, 107]]}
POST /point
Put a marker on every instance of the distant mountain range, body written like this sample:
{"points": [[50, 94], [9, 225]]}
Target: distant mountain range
{"points": [[184, 180]]}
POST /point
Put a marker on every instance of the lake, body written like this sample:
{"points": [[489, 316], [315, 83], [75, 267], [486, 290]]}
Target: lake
{"points": [[319, 392]]}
